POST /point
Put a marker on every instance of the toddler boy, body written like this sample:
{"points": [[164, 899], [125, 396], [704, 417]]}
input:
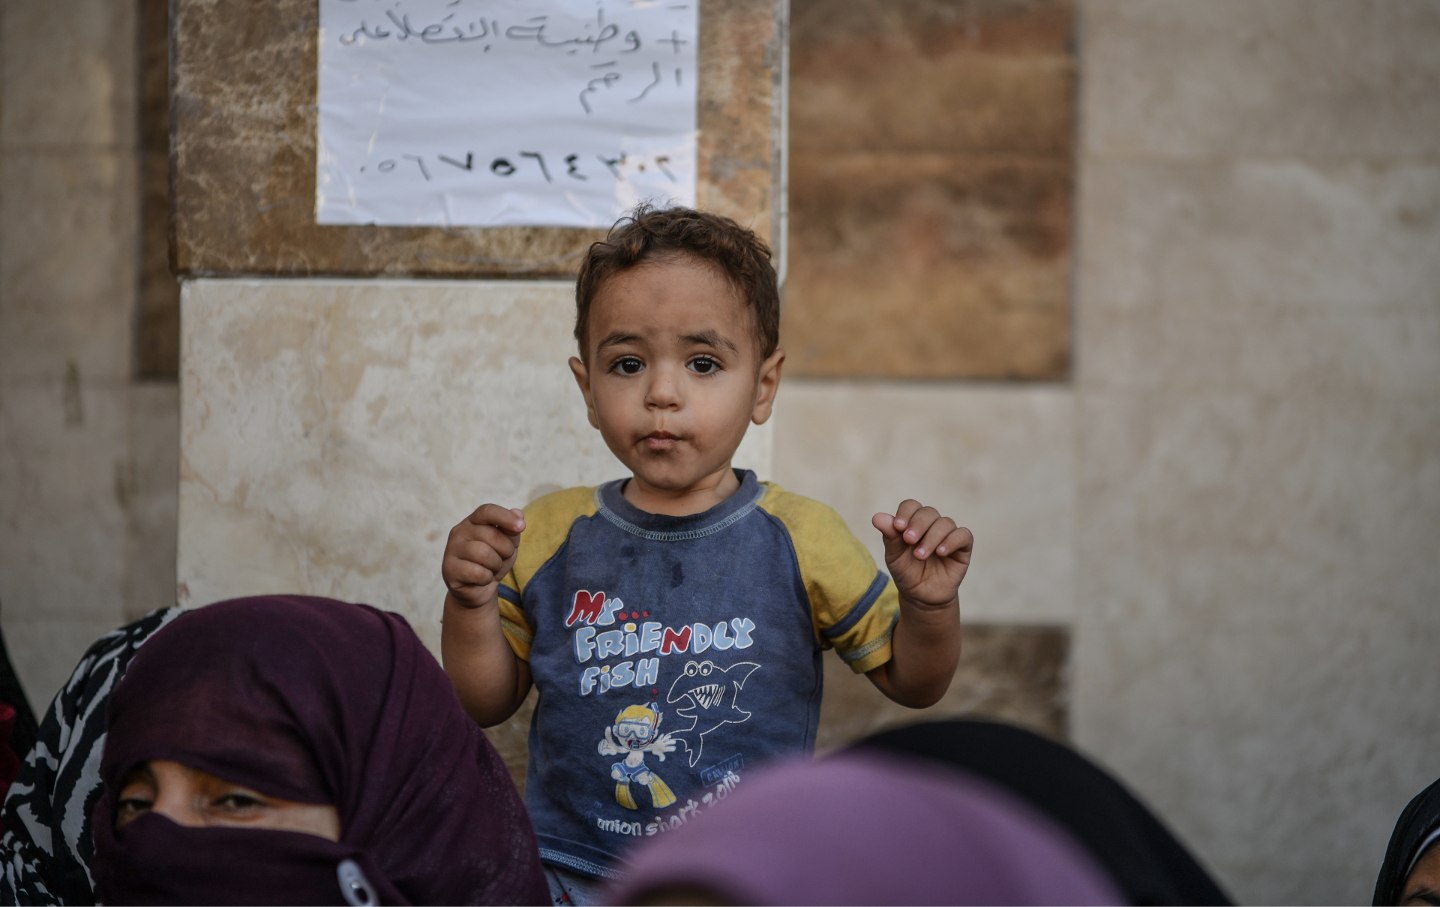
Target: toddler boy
{"points": [[673, 621]]}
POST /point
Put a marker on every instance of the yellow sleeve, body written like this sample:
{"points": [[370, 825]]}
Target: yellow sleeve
{"points": [[547, 524], [853, 603]]}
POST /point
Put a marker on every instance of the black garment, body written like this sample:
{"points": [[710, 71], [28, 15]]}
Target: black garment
{"points": [[47, 848], [1143, 857], [1415, 832], [22, 735]]}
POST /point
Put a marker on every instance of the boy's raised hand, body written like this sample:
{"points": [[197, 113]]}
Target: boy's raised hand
{"points": [[481, 549], [927, 554]]}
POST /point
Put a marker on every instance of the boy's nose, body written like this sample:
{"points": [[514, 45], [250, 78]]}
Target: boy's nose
{"points": [[663, 392]]}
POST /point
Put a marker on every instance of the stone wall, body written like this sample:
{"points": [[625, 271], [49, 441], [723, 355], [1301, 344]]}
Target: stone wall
{"points": [[1233, 501], [88, 453]]}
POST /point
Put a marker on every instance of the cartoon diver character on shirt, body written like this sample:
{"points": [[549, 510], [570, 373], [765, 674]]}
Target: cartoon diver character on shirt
{"points": [[636, 731]]}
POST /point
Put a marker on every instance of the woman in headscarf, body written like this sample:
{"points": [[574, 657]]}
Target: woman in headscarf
{"points": [[288, 749], [1411, 871], [863, 829], [1141, 855]]}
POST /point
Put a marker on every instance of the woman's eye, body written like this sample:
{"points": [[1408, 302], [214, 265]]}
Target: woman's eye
{"points": [[627, 365], [130, 808], [238, 803], [704, 365]]}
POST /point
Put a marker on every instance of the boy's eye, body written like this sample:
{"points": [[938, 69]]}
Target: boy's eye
{"points": [[704, 365], [627, 365]]}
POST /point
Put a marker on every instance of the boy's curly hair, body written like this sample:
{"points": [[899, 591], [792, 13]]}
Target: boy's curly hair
{"points": [[654, 234]]}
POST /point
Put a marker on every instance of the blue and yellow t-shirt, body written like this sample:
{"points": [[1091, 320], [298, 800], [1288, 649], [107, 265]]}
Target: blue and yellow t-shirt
{"points": [[673, 654]]}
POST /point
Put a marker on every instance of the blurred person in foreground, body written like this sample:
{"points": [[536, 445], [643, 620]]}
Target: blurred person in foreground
{"points": [[943, 812], [865, 828]]}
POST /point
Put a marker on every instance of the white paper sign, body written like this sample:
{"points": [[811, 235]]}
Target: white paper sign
{"points": [[504, 112]]}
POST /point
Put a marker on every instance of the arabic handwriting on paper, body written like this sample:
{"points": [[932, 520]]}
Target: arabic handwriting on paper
{"points": [[620, 166], [504, 111], [400, 27], [397, 24]]}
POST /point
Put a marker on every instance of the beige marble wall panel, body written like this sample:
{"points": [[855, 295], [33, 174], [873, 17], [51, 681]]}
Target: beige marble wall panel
{"points": [[67, 74], [998, 459], [333, 432], [1319, 78], [244, 151], [67, 266]]}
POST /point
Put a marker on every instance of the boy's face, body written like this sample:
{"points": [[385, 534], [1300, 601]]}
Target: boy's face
{"points": [[673, 377]]}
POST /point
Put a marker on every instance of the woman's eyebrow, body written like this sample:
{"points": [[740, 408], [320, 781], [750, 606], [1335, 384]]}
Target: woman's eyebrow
{"points": [[138, 773], [1423, 895]]}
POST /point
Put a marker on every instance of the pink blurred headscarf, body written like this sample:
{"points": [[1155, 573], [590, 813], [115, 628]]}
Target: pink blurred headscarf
{"points": [[868, 829]]}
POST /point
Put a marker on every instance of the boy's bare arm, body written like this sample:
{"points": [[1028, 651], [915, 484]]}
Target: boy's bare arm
{"points": [[489, 678], [928, 556]]}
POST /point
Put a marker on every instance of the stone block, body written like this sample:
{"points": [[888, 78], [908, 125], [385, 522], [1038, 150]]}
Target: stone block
{"points": [[995, 76], [931, 189], [63, 523], [152, 489], [1252, 78], [998, 459], [67, 75], [928, 266], [1354, 236], [66, 265], [1172, 680]]}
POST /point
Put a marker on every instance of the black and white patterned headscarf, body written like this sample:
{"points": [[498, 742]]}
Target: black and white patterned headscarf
{"points": [[46, 851]]}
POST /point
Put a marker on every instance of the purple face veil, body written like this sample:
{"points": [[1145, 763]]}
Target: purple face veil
{"points": [[317, 701]]}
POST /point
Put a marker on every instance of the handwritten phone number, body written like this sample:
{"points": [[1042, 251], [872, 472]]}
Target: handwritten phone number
{"points": [[579, 167]]}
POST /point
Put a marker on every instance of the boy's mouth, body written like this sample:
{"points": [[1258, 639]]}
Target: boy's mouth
{"points": [[660, 440]]}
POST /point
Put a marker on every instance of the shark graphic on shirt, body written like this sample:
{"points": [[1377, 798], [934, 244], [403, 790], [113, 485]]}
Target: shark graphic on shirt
{"points": [[709, 696]]}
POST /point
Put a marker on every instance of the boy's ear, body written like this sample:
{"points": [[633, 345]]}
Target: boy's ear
{"points": [[582, 378], [766, 385]]}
